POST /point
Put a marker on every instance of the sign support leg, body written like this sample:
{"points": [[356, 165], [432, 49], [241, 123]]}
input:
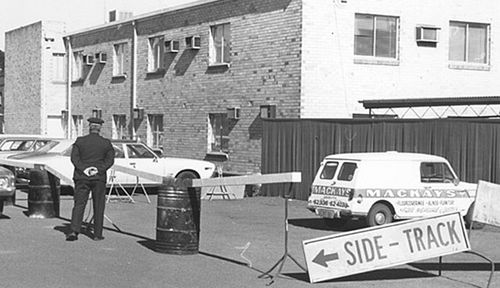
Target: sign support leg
{"points": [[286, 254]]}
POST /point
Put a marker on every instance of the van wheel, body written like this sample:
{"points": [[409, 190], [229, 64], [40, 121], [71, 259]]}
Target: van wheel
{"points": [[379, 214], [335, 222], [468, 219]]}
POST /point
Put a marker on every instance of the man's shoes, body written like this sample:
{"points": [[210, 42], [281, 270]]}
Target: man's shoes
{"points": [[98, 238], [73, 236]]}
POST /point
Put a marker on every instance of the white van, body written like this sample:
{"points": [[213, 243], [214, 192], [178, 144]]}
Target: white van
{"points": [[383, 186]]}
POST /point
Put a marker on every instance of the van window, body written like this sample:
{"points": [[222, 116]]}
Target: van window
{"points": [[347, 171], [435, 173], [329, 170]]}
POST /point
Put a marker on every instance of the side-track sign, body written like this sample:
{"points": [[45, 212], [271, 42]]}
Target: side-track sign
{"points": [[384, 246]]}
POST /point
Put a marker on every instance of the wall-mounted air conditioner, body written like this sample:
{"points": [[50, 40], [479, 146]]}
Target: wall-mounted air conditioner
{"points": [[101, 58], [172, 46], [427, 33], [138, 113], [268, 111], [193, 42], [233, 112], [88, 60], [97, 113]]}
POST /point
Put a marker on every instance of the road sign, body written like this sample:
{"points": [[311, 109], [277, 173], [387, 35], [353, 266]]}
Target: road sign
{"points": [[384, 246], [486, 209]]}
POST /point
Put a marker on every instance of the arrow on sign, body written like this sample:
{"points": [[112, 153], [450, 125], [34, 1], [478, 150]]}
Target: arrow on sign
{"points": [[321, 258]]}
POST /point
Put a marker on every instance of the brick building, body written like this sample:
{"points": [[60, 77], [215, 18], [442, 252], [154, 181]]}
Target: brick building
{"points": [[35, 82], [197, 79], [2, 83]]}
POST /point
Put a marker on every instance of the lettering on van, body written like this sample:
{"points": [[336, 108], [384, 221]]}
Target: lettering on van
{"points": [[415, 193], [329, 190]]}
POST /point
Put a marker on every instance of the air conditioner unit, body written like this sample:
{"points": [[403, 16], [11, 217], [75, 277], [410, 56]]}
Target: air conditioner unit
{"points": [[101, 57], [426, 33], [88, 60], [97, 113], [193, 42], [268, 111], [172, 46], [233, 113], [138, 113]]}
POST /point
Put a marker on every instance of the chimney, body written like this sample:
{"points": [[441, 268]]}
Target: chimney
{"points": [[115, 15]]}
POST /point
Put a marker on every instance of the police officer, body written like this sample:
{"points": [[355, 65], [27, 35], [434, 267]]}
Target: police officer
{"points": [[92, 155]]}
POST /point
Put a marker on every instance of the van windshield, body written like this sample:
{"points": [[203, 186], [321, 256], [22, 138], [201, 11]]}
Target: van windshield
{"points": [[329, 170], [435, 173]]}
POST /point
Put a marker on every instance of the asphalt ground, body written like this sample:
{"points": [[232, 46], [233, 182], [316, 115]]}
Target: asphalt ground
{"points": [[239, 240]]}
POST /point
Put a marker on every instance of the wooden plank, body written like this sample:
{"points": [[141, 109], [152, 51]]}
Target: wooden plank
{"points": [[294, 177], [135, 172]]}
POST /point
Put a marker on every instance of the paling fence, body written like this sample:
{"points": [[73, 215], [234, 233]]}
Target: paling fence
{"points": [[471, 145]]}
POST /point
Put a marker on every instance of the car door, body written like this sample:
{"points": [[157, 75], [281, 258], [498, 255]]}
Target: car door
{"points": [[122, 160], [143, 159], [439, 190]]}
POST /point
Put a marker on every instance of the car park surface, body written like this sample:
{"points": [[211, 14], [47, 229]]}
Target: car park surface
{"points": [[235, 234]]}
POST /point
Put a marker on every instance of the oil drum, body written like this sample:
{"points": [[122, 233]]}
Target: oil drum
{"points": [[43, 195], [178, 218]]}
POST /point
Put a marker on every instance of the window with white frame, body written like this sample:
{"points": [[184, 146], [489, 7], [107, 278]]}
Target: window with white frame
{"points": [[58, 67], [119, 129], [376, 35], [119, 59], [155, 130], [77, 65], [220, 44], [469, 42], [155, 54], [77, 126], [218, 133]]}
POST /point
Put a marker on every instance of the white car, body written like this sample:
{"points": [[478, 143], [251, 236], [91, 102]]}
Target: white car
{"points": [[127, 153]]}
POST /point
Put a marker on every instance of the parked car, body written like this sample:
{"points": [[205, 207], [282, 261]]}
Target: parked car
{"points": [[127, 153], [7, 186], [381, 187]]}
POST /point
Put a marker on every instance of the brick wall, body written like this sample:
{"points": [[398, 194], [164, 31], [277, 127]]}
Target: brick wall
{"points": [[23, 48], [333, 83], [265, 69]]}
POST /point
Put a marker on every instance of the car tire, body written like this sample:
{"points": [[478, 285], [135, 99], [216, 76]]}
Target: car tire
{"points": [[468, 219], [379, 214], [185, 175]]}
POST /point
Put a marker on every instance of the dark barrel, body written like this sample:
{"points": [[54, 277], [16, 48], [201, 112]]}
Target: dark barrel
{"points": [[178, 218], [43, 195]]}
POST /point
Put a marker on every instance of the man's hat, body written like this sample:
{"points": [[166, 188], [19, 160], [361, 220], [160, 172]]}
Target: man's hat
{"points": [[95, 120]]}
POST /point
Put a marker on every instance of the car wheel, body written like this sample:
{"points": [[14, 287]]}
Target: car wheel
{"points": [[185, 175], [468, 219], [335, 222], [379, 214]]}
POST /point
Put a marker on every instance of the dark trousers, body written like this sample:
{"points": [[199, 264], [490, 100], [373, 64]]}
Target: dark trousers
{"points": [[81, 196]]}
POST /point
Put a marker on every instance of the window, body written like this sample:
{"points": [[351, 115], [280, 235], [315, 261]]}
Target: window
{"points": [[59, 67], [77, 66], [219, 44], [119, 59], [329, 170], [78, 126], [155, 55], [435, 173], [218, 133], [347, 171], [119, 129], [375, 36], [468, 42], [139, 151], [155, 131]]}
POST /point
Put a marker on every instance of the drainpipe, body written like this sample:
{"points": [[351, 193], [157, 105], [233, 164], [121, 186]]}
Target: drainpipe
{"points": [[133, 81], [69, 54]]}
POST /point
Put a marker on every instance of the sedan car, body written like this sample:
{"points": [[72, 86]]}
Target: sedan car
{"points": [[127, 153]]}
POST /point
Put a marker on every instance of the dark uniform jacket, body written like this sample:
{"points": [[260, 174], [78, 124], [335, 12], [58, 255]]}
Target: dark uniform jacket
{"points": [[92, 150]]}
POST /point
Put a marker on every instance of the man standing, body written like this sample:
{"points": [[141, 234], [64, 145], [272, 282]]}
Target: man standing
{"points": [[92, 155]]}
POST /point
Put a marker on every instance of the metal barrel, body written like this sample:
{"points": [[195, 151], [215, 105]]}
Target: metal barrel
{"points": [[178, 218], [43, 195]]}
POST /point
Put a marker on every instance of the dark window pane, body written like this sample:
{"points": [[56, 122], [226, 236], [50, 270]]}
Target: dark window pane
{"points": [[363, 35]]}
